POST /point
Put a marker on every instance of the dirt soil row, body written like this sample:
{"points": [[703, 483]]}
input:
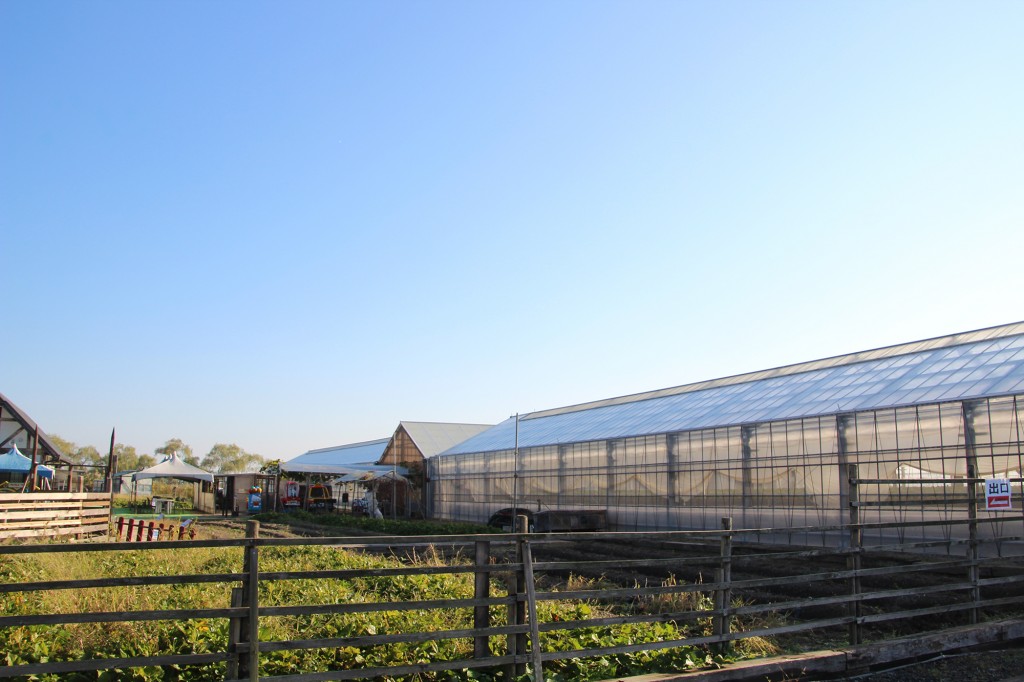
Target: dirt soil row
{"points": [[981, 666]]}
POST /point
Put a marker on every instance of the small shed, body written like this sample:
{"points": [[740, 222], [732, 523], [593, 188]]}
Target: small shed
{"points": [[231, 492]]}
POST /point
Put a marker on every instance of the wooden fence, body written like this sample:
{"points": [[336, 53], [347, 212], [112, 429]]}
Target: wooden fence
{"points": [[727, 588], [140, 530], [53, 514]]}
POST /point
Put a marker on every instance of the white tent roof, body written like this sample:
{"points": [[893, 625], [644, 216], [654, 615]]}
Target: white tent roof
{"points": [[174, 467]]}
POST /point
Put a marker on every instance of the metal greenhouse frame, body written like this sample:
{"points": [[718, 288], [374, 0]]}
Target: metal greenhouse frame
{"points": [[926, 422]]}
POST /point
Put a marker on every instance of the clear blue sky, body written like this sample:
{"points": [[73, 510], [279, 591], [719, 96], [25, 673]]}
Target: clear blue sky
{"points": [[292, 225]]}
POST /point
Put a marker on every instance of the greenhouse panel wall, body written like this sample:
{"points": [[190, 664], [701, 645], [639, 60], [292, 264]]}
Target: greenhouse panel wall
{"points": [[787, 476]]}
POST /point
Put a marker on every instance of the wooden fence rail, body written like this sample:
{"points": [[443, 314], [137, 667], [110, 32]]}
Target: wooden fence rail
{"points": [[53, 514], [854, 589]]}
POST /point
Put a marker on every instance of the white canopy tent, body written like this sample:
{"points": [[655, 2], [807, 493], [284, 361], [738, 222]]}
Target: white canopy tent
{"points": [[174, 467]]}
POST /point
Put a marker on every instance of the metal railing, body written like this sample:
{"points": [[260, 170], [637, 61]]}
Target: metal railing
{"points": [[758, 590]]}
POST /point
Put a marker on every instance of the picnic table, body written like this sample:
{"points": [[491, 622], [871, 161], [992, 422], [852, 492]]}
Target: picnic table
{"points": [[163, 505]]}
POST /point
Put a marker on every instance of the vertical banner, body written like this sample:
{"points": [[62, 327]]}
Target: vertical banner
{"points": [[997, 494]]}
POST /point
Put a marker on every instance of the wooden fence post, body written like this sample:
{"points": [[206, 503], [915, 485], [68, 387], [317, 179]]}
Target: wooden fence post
{"points": [[517, 607], [234, 636], [249, 666], [531, 603], [723, 595], [482, 590], [853, 561], [513, 670]]}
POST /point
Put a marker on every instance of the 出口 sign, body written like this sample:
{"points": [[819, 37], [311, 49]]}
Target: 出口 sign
{"points": [[997, 494]]}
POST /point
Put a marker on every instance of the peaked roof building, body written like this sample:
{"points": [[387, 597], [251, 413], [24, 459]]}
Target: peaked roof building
{"points": [[16, 428], [414, 442]]}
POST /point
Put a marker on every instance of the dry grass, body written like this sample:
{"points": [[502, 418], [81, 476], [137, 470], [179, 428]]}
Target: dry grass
{"points": [[87, 565], [674, 601]]}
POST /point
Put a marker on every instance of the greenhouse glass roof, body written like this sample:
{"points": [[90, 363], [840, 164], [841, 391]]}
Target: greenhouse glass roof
{"points": [[338, 459], [988, 362]]}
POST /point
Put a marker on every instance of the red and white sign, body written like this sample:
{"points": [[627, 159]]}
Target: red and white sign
{"points": [[997, 494]]}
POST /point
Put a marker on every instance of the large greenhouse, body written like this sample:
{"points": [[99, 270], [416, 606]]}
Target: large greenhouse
{"points": [[769, 449]]}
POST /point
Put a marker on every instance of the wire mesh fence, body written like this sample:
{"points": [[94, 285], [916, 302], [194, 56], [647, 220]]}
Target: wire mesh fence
{"points": [[780, 474]]}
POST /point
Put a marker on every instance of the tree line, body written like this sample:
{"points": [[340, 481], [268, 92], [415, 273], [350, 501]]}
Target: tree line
{"points": [[223, 458]]}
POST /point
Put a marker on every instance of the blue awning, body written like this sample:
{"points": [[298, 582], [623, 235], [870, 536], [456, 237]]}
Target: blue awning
{"points": [[13, 460]]}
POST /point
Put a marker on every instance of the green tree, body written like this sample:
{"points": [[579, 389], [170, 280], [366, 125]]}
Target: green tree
{"points": [[65, 446], [89, 456], [231, 459], [177, 445], [127, 458]]}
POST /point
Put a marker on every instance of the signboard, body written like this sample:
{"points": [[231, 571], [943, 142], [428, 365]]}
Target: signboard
{"points": [[997, 494]]}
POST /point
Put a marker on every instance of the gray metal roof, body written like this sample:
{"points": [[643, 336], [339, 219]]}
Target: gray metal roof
{"points": [[340, 459], [987, 362], [433, 438]]}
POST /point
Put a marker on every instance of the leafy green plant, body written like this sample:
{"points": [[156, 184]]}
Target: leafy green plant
{"points": [[35, 644]]}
